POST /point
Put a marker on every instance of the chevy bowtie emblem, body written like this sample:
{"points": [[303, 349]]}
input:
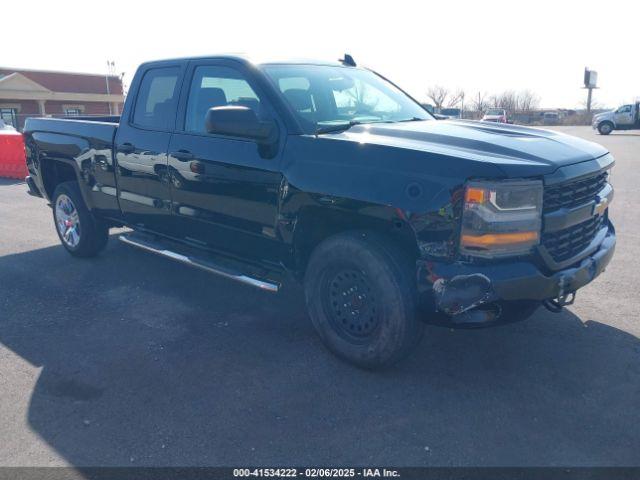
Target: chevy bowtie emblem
{"points": [[601, 206]]}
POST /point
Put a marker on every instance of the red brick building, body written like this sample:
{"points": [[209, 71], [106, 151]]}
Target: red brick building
{"points": [[29, 93]]}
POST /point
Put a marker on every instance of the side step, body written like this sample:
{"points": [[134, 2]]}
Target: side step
{"points": [[154, 246]]}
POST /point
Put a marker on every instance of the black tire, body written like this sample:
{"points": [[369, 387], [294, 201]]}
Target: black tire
{"points": [[376, 325], [92, 234], [605, 128]]}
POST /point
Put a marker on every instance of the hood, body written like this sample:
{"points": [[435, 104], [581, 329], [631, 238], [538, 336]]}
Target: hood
{"points": [[604, 114], [515, 150]]}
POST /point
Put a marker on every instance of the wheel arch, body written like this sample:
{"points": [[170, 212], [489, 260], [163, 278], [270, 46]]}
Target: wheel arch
{"points": [[314, 224], [54, 171]]}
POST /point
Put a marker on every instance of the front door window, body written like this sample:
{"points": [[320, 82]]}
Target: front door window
{"points": [[216, 86]]}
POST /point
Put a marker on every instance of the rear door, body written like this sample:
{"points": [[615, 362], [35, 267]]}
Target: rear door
{"points": [[141, 146], [225, 193]]}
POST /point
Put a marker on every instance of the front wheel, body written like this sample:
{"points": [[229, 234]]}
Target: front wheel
{"points": [[79, 231], [360, 294], [605, 128]]}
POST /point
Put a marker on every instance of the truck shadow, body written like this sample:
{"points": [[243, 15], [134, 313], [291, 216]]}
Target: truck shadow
{"points": [[10, 181], [145, 362]]}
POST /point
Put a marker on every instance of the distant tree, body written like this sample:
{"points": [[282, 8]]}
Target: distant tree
{"points": [[438, 95], [456, 98], [595, 105], [479, 102], [527, 101], [508, 100]]}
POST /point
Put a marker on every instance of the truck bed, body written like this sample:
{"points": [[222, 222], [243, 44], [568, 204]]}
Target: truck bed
{"points": [[79, 149], [100, 128]]}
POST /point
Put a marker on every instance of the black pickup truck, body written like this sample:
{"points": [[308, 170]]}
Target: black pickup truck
{"points": [[330, 174]]}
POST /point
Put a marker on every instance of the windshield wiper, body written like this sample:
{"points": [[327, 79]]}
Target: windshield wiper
{"points": [[412, 119], [337, 127]]}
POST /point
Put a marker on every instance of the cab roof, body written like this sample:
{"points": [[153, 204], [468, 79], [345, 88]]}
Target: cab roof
{"points": [[251, 59]]}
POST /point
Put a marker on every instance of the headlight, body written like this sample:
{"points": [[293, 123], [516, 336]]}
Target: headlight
{"points": [[501, 218]]}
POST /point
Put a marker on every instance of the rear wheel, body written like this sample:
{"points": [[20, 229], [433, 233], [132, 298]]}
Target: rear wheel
{"points": [[79, 231], [605, 128], [361, 298]]}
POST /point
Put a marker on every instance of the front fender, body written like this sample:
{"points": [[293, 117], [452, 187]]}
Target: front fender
{"points": [[380, 183]]}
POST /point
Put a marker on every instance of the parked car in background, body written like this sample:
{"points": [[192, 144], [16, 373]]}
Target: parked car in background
{"points": [[498, 115], [551, 118], [428, 107], [451, 112], [259, 172], [626, 117]]}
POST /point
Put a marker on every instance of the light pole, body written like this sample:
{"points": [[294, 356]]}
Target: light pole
{"points": [[111, 65]]}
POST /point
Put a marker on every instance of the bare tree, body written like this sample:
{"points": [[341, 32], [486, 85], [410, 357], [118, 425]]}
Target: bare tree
{"points": [[595, 105], [527, 101], [438, 96], [507, 100], [479, 102], [456, 98]]}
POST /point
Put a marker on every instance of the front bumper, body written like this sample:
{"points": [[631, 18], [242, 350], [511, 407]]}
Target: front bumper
{"points": [[457, 287]]}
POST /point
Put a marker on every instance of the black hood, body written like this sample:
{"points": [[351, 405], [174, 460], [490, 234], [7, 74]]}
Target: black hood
{"points": [[516, 150]]}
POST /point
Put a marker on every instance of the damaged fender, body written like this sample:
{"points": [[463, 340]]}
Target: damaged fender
{"points": [[462, 293]]}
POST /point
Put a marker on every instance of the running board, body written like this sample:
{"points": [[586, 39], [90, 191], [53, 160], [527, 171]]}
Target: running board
{"points": [[206, 265]]}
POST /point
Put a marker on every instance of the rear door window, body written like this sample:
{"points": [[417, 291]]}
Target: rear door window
{"points": [[155, 106]]}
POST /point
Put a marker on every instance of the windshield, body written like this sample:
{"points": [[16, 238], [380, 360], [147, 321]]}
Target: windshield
{"points": [[323, 96], [495, 111]]}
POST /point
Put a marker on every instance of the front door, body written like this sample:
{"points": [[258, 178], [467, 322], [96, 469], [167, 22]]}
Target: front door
{"points": [[624, 115], [225, 193], [142, 143]]}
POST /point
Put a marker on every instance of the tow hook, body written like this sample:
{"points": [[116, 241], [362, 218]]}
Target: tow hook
{"points": [[555, 305]]}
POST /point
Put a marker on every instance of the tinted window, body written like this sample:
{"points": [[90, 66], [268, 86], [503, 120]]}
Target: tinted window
{"points": [[157, 98], [215, 87]]}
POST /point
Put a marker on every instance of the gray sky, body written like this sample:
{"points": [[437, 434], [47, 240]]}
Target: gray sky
{"points": [[475, 45]]}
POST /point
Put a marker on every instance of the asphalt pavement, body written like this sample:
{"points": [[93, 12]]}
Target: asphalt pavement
{"points": [[129, 359]]}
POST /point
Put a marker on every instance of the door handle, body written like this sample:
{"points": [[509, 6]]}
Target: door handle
{"points": [[126, 148], [183, 155]]}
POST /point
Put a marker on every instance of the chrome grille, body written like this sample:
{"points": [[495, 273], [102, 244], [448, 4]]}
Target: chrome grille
{"points": [[573, 193]]}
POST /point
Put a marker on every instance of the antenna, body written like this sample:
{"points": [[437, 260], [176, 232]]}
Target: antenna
{"points": [[348, 60]]}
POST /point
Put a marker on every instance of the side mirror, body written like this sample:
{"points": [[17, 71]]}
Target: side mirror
{"points": [[238, 121]]}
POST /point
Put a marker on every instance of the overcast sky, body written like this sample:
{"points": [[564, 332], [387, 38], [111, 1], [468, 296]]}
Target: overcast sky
{"points": [[485, 45]]}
